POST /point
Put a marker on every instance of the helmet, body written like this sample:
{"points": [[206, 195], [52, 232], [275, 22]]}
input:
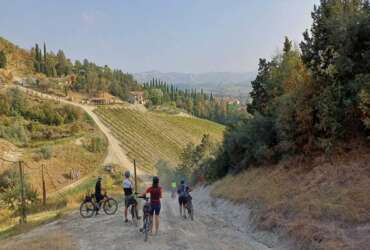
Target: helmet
{"points": [[127, 174], [155, 179], [182, 181], [100, 178]]}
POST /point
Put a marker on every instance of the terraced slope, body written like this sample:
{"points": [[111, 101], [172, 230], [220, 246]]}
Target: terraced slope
{"points": [[149, 136]]}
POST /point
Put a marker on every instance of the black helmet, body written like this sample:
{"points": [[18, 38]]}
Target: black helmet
{"points": [[127, 174], [182, 182], [155, 179]]}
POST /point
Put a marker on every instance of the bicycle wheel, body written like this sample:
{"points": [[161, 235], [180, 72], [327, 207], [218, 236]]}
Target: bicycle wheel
{"points": [[110, 206], [87, 209], [134, 215], [146, 228], [191, 211]]}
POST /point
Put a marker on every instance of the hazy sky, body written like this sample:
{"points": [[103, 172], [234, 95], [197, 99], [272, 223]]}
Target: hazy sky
{"points": [[165, 35]]}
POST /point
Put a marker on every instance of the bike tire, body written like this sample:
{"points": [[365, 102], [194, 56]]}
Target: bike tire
{"points": [[134, 216], [87, 209], [146, 228], [191, 211], [110, 206]]}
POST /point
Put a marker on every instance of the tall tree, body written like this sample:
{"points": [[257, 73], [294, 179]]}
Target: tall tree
{"points": [[3, 60]]}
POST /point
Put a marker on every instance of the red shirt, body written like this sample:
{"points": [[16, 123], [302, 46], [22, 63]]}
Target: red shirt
{"points": [[155, 195]]}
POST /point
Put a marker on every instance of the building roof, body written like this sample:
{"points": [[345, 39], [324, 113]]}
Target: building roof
{"points": [[137, 93]]}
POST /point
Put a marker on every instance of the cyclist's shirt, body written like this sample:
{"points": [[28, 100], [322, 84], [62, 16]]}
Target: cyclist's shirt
{"points": [[127, 187], [155, 195], [173, 184], [183, 191]]}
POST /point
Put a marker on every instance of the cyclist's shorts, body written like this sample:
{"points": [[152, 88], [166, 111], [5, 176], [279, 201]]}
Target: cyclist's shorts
{"points": [[155, 209], [183, 200], [129, 200]]}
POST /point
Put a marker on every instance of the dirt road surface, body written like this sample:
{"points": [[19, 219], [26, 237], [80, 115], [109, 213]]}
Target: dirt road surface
{"points": [[111, 232]]}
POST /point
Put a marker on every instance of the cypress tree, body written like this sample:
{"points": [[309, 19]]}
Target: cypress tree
{"points": [[45, 55], [2, 59]]}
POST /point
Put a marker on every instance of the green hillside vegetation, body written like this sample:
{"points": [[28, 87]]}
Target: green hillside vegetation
{"points": [[152, 136], [40, 132], [197, 103], [302, 158]]}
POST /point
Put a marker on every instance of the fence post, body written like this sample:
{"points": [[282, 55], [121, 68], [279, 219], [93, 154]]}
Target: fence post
{"points": [[135, 176], [23, 219], [43, 185]]}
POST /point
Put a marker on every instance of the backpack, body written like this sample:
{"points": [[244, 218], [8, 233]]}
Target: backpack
{"points": [[183, 191]]}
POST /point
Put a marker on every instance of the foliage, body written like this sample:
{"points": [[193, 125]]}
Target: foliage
{"points": [[96, 145], [10, 194], [310, 99], [194, 160], [3, 60], [46, 152], [196, 103], [83, 77]]}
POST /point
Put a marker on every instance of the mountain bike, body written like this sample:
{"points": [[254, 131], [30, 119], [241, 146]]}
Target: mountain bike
{"points": [[147, 219], [89, 206]]}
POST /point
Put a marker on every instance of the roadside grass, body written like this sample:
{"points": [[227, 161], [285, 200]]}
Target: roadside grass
{"points": [[55, 240], [303, 196], [62, 203], [152, 136]]}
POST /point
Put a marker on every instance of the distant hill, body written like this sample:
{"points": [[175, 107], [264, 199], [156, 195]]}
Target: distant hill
{"points": [[220, 83]]}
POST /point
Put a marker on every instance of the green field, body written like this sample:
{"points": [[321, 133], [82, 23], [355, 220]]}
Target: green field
{"points": [[151, 136]]}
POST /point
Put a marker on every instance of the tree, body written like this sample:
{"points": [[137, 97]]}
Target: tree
{"points": [[287, 45], [11, 191], [3, 60]]}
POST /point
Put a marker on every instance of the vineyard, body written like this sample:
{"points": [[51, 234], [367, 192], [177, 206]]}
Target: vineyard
{"points": [[149, 137]]}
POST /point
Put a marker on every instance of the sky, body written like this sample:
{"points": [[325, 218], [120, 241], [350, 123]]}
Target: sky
{"points": [[189, 36]]}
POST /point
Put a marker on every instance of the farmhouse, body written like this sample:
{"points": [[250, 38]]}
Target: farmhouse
{"points": [[100, 101], [136, 97]]}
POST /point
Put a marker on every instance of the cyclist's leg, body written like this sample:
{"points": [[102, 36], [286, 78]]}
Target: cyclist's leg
{"points": [[180, 205], [157, 210], [136, 210], [126, 208]]}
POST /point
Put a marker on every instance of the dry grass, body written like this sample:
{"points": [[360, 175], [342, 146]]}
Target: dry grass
{"points": [[306, 196], [56, 240]]}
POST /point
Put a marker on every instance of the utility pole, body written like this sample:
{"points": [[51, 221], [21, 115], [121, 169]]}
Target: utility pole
{"points": [[23, 219], [43, 185], [135, 176]]}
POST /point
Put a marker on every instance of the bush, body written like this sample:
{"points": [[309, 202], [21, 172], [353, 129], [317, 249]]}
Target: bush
{"points": [[46, 152], [16, 133], [10, 195], [96, 145]]}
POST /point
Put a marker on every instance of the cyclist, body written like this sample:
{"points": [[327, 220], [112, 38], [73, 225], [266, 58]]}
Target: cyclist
{"points": [[129, 198], [98, 194], [155, 192], [174, 188], [184, 195]]}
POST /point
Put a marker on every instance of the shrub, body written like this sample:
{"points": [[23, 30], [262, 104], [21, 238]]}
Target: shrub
{"points": [[10, 195], [16, 133], [96, 145], [46, 152]]}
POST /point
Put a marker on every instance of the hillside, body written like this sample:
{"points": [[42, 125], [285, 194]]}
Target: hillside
{"points": [[322, 201], [46, 134], [19, 61], [152, 136]]}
